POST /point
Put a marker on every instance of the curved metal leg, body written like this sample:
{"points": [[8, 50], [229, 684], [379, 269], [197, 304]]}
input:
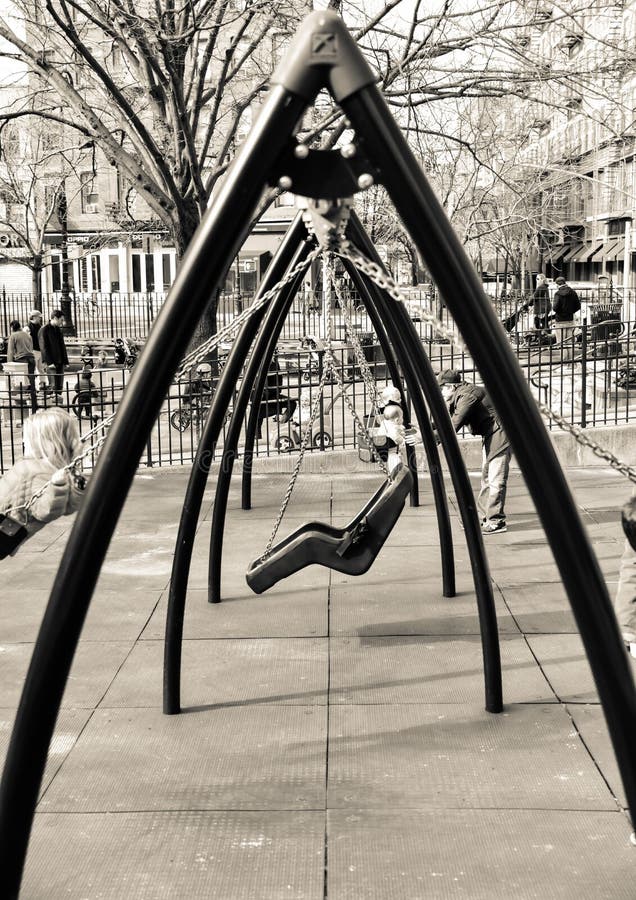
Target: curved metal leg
{"points": [[373, 303], [427, 224], [261, 356], [210, 253], [414, 359], [289, 253]]}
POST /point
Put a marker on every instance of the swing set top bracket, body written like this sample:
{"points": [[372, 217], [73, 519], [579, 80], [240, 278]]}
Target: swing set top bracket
{"points": [[326, 220], [323, 174]]}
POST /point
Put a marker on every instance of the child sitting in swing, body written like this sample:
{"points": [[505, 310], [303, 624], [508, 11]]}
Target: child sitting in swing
{"points": [[390, 436], [51, 441]]}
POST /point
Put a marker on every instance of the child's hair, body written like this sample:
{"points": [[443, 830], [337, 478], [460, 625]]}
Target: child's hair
{"points": [[15, 325], [52, 434]]}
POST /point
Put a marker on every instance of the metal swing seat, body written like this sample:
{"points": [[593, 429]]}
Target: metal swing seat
{"points": [[350, 550]]}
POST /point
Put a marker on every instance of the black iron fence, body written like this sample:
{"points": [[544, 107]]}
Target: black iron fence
{"points": [[104, 316], [588, 376]]}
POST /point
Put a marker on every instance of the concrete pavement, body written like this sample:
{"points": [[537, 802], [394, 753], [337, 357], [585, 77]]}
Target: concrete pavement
{"points": [[333, 741]]}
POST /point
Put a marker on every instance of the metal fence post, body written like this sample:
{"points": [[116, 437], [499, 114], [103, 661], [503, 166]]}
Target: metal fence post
{"points": [[583, 375]]}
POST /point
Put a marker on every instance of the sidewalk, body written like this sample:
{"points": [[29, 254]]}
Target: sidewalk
{"points": [[334, 741]]}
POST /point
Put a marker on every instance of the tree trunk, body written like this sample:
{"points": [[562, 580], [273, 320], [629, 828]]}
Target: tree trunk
{"points": [[207, 324], [36, 281]]}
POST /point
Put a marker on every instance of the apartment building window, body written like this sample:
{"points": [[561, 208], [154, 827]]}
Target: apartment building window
{"points": [[150, 272], [165, 270], [96, 272], [113, 271], [573, 106], [89, 194], [50, 198], [83, 273], [136, 271], [56, 272], [52, 138]]}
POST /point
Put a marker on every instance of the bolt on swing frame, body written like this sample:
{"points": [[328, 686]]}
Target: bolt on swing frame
{"points": [[323, 55]]}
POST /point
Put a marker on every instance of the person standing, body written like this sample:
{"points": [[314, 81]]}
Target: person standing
{"points": [[53, 349], [469, 404], [34, 324], [20, 350], [565, 304], [541, 303]]}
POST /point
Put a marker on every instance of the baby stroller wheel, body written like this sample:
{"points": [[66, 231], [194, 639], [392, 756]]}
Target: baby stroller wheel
{"points": [[284, 443], [322, 439], [180, 419]]}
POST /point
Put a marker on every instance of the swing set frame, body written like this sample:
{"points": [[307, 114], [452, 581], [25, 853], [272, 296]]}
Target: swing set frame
{"points": [[323, 55]]}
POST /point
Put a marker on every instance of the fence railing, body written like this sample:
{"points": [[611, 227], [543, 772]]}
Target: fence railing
{"points": [[588, 378], [104, 316]]}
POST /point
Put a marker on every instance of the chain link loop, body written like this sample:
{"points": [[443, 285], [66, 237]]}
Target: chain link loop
{"points": [[380, 278]]}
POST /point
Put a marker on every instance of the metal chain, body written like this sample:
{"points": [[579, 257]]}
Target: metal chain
{"points": [[586, 441], [294, 476], [331, 362], [358, 352], [197, 356], [330, 367], [189, 361], [377, 275]]}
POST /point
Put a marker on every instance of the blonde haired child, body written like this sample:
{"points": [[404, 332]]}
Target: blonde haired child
{"points": [[51, 442], [391, 435]]}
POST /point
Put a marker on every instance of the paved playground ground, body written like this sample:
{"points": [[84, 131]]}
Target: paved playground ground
{"points": [[333, 742]]}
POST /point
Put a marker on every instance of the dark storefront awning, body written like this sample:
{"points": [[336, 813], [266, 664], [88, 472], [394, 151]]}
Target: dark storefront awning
{"points": [[588, 250], [604, 251], [618, 249], [555, 253], [573, 252]]}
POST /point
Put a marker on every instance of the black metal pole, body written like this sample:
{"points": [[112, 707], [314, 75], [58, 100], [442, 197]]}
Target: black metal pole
{"points": [[288, 253], [373, 302], [396, 379], [430, 229], [404, 334], [261, 356], [213, 247]]}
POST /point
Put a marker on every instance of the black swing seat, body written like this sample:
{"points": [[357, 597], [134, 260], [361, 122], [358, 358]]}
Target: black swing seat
{"points": [[12, 534], [351, 549]]}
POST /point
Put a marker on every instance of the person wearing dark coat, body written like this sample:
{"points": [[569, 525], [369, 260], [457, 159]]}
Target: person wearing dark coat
{"points": [[35, 323], [53, 349], [469, 405], [273, 401], [541, 303]]}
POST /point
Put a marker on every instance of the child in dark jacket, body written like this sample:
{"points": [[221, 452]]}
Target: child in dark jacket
{"points": [[51, 442]]}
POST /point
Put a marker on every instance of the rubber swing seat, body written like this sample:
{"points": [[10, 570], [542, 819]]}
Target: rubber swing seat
{"points": [[351, 549]]}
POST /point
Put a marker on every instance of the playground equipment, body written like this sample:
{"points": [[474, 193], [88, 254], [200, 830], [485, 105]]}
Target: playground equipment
{"points": [[322, 56]]}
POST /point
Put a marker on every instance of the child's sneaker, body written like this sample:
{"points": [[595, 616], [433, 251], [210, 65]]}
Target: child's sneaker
{"points": [[494, 527]]}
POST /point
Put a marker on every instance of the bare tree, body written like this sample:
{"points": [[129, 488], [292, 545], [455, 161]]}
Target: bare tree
{"points": [[165, 90], [33, 197]]}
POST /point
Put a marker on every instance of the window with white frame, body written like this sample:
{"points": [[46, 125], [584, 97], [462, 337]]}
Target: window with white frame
{"points": [[89, 193]]}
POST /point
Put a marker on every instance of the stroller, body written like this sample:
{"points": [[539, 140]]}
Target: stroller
{"points": [[126, 352], [291, 439]]}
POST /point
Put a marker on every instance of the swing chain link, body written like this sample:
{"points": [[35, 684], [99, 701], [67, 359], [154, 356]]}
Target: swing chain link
{"points": [[380, 278], [296, 471], [331, 362], [358, 352]]}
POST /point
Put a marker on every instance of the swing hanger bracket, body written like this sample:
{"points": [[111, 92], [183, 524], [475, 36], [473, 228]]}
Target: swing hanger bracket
{"points": [[326, 220], [323, 173]]}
